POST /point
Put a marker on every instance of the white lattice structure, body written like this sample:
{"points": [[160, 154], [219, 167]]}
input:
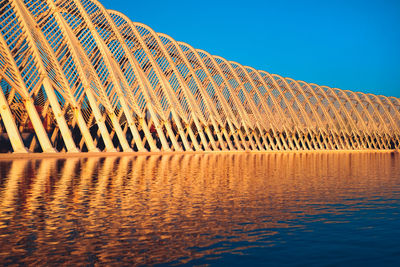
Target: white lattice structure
{"points": [[77, 77]]}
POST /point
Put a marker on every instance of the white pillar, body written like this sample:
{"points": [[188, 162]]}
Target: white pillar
{"points": [[148, 135], [59, 116], [109, 146], [131, 124], [87, 137], [38, 127], [11, 128], [121, 137]]}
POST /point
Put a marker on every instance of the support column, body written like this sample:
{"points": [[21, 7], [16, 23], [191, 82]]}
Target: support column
{"points": [[227, 137], [261, 148], [201, 134], [148, 135], [253, 146], [271, 139], [286, 143], [218, 132], [192, 137], [131, 123], [161, 136], [121, 137], [180, 130], [136, 137], [11, 128], [158, 127], [235, 137], [264, 140], [279, 142], [211, 138], [85, 132], [171, 134], [244, 142], [100, 122], [59, 116], [38, 127]]}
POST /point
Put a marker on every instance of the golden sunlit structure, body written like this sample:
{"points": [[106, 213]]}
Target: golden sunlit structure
{"points": [[77, 77]]}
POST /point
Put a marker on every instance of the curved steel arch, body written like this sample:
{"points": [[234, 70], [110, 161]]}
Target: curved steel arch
{"points": [[77, 77]]}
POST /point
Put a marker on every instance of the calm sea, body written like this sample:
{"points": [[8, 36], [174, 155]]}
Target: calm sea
{"points": [[303, 209]]}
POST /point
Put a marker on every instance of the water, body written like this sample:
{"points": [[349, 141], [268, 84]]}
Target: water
{"points": [[244, 209]]}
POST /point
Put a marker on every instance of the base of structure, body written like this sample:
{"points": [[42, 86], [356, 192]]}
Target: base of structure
{"points": [[21, 151]]}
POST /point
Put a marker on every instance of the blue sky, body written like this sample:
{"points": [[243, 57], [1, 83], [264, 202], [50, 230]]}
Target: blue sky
{"points": [[351, 44]]}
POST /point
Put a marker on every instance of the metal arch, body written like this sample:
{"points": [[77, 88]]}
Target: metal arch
{"points": [[231, 101], [317, 130], [91, 66], [92, 80], [153, 106], [332, 128], [378, 121], [293, 127], [354, 132], [368, 131], [160, 97], [213, 73], [252, 96], [396, 111], [339, 120], [184, 97], [176, 106], [280, 132], [86, 74], [305, 126], [176, 51], [217, 121], [391, 126], [276, 129], [224, 113], [59, 83], [376, 101], [241, 97]]}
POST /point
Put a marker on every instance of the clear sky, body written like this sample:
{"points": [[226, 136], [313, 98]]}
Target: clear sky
{"points": [[351, 44]]}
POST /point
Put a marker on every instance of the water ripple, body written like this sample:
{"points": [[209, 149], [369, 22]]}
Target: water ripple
{"points": [[278, 209]]}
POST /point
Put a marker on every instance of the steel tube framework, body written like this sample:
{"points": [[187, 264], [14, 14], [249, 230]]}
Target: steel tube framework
{"points": [[77, 77]]}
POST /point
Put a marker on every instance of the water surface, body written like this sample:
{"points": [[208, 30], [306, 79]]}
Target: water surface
{"points": [[235, 209]]}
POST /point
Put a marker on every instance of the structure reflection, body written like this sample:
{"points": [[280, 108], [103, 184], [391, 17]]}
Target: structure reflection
{"points": [[154, 209]]}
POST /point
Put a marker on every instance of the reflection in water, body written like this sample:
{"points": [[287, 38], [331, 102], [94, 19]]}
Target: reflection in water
{"points": [[201, 209]]}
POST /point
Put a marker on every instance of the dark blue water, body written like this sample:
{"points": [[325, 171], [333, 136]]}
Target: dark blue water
{"points": [[283, 209]]}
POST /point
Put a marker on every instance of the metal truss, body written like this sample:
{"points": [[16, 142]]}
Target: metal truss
{"points": [[77, 77]]}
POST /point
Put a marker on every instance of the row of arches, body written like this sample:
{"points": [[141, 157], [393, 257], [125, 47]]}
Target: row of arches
{"points": [[77, 77]]}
